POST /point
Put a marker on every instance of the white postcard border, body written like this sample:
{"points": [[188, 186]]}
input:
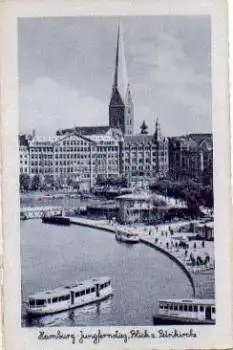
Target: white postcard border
{"points": [[219, 336]]}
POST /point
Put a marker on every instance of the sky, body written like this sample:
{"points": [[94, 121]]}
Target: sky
{"points": [[66, 69]]}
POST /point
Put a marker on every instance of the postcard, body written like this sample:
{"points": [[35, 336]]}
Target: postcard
{"points": [[116, 196]]}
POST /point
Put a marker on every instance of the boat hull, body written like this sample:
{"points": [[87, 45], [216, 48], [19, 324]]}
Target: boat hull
{"points": [[163, 320], [56, 220]]}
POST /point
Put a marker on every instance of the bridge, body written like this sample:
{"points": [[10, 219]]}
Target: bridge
{"points": [[38, 212]]}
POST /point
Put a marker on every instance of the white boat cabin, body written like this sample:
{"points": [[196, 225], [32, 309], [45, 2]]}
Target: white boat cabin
{"points": [[69, 296], [198, 309]]}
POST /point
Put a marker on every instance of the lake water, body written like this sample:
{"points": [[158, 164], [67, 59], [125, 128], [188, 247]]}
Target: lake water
{"points": [[52, 256]]}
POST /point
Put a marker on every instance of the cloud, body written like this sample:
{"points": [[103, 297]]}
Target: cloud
{"points": [[178, 93], [66, 68], [46, 106]]}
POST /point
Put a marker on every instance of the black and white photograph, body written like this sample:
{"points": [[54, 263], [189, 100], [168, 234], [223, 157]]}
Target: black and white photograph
{"points": [[117, 176], [116, 171]]}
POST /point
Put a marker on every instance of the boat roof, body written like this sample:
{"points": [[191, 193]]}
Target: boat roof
{"points": [[126, 233], [189, 301], [76, 286]]}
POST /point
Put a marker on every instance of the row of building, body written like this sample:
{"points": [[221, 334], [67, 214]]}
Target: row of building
{"points": [[87, 154]]}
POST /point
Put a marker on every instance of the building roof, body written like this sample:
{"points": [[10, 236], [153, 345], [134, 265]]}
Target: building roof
{"points": [[85, 130], [23, 141], [141, 138], [49, 139], [198, 138], [99, 138]]}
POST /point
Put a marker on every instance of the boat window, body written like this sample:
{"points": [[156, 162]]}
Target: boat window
{"points": [[180, 307], [190, 308], [101, 286], [55, 300], [161, 306], [185, 308], [92, 289], [77, 294], [49, 301], [201, 308], [32, 302], [40, 302], [82, 292], [88, 291], [195, 308], [67, 297], [213, 310], [166, 306], [175, 307], [171, 307]]}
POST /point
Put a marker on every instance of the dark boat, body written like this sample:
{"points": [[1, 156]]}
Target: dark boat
{"points": [[23, 216], [56, 220]]}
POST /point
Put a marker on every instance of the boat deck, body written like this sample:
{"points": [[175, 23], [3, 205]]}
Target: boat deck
{"points": [[74, 287]]}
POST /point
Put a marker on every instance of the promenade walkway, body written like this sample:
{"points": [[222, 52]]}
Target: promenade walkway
{"points": [[166, 238]]}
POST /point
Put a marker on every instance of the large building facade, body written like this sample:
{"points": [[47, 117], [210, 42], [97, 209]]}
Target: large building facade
{"points": [[71, 156], [191, 157], [144, 157]]}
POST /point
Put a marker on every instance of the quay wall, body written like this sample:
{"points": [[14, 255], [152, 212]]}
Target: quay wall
{"points": [[175, 259], [90, 225], [146, 242]]}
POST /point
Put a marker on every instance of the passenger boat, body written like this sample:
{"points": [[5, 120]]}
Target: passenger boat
{"points": [[126, 237], [57, 220], [69, 297], [185, 311]]}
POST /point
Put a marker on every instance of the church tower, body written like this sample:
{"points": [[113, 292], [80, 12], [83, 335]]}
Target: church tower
{"points": [[121, 113]]}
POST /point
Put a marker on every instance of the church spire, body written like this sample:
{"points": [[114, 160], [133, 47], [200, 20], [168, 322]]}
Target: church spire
{"points": [[121, 114], [120, 75]]}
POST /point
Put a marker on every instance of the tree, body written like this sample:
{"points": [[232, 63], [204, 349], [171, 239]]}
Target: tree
{"points": [[24, 182], [58, 183], [36, 182]]}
